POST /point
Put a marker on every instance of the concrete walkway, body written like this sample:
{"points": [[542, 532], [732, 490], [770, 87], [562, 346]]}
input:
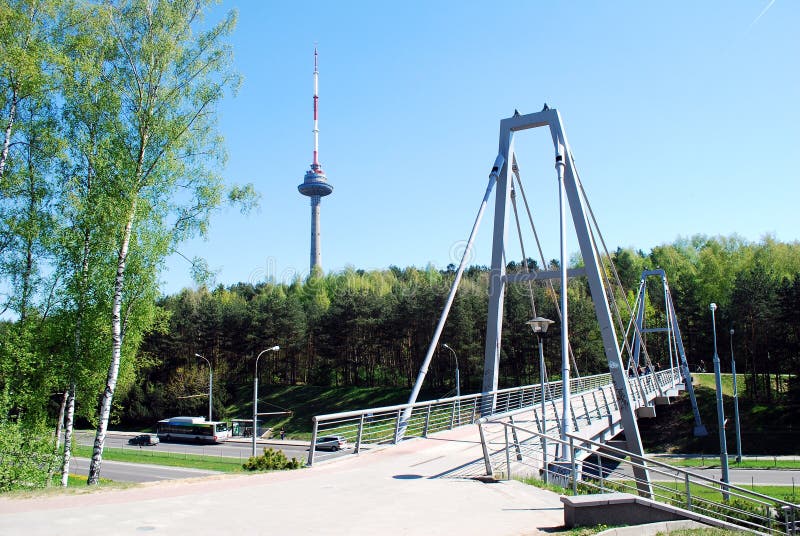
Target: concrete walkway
{"points": [[397, 490]]}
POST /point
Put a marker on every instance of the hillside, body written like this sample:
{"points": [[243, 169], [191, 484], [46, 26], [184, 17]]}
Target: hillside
{"points": [[767, 428]]}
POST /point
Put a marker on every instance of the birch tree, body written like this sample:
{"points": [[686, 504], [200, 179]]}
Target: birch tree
{"points": [[171, 71], [87, 200]]}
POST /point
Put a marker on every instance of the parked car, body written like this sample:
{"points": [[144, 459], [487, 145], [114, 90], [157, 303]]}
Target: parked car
{"points": [[333, 442], [144, 439]]}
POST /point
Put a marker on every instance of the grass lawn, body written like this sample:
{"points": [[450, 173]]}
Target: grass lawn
{"points": [[701, 532], [756, 462], [708, 380], [75, 483], [173, 459], [778, 492]]}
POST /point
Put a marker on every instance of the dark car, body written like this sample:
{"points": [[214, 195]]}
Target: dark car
{"points": [[331, 443], [144, 439]]}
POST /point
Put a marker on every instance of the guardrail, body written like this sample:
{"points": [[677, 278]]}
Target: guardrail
{"points": [[610, 469], [367, 428]]}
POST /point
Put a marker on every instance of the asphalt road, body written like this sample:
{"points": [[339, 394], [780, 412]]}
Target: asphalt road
{"points": [[746, 477], [136, 472], [737, 477], [231, 449], [140, 472]]}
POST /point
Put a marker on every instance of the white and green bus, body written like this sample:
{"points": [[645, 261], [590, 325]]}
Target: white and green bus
{"points": [[192, 429]]}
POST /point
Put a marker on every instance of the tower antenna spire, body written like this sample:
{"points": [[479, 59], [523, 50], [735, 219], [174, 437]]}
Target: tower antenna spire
{"points": [[315, 184], [316, 109]]}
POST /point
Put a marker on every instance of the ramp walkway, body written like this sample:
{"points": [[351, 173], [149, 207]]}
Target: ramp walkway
{"points": [[408, 489]]}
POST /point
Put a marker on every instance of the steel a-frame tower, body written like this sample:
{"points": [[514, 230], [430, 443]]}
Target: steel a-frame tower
{"points": [[571, 194], [674, 339]]}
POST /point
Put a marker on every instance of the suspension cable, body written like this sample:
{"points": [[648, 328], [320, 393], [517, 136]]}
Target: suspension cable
{"points": [[553, 295], [521, 243], [613, 267]]}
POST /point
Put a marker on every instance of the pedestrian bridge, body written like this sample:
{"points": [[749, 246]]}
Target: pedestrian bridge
{"points": [[593, 412], [523, 437]]}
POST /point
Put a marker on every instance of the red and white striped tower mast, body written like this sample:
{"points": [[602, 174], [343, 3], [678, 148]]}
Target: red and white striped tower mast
{"points": [[315, 184], [315, 163]]}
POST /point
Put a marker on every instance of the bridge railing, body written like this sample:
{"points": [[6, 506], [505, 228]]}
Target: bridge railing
{"points": [[609, 469], [367, 428]]}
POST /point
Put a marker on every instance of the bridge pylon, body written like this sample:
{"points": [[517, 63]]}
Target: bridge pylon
{"points": [[572, 201], [674, 339]]}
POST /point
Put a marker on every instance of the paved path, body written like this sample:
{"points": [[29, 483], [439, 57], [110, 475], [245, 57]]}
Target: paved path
{"points": [[392, 491]]}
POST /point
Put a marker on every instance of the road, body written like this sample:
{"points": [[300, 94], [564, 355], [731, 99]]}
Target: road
{"points": [[747, 477], [231, 449], [737, 477], [140, 472], [136, 472]]}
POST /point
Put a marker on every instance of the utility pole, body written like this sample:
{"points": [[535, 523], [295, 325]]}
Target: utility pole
{"points": [[255, 394], [210, 386], [723, 448], [736, 406]]}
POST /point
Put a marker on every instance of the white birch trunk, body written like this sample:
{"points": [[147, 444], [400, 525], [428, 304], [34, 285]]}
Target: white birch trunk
{"points": [[69, 420], [116, 351], [60, 422], [9, 126], [57, 439]]}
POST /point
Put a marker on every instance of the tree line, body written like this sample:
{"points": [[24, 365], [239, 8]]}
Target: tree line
{"points": [[372, 328]]}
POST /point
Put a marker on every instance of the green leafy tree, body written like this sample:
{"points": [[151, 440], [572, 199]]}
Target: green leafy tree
{"points": [[170, 73]]}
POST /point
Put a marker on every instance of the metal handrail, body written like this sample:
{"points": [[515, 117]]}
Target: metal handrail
{"points": [[744, 511], [383, 425]]}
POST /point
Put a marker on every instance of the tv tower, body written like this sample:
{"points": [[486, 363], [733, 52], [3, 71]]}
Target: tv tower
{"points": [[315, 184]]}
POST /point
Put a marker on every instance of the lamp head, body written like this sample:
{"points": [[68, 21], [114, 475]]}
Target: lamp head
{"points": [[197, 355], [539, 325], [274, 348], [445, 346], [713, 307], [731, 331]]}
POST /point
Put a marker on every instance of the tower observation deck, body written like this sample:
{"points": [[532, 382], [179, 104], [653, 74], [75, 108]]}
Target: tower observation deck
{"points": [[315, 184]]}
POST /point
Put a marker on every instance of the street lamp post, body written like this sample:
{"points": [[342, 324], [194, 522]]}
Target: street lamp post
{"points": [[458, 384], [255, 394], [736, 406], [539, 326], [723, 448], [210, 386], [458, 380]]}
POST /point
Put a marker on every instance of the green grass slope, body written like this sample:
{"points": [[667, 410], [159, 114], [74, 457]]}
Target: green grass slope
{"points": [[306, 401], [766, 428]]}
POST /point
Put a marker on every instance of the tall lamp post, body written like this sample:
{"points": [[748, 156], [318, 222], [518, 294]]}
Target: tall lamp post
{"points": [[210, 386], [736, 406], [723, 448], [458, 385], [255, 394], [539, 326], [458, 380]]}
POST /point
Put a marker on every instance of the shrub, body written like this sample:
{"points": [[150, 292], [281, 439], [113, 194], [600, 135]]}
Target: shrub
{"points": [[271, 460], [26, 457]]}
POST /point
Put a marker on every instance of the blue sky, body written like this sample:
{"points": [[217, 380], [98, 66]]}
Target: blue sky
{"points": [[682, 116]]}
